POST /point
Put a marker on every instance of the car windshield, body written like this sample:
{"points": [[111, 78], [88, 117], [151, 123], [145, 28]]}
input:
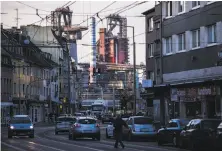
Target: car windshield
{"points": [[143, 120], [97, 107], [183, 123], [66, 119], [210, 124], [20, 120], [87, 121]]}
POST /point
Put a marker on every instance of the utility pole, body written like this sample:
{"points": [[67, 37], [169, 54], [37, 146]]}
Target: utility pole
{"points": [[134, 71], [17, 19], [114, 102], [19, 90]]}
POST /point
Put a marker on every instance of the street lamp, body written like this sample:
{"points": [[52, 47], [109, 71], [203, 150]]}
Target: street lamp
{"points": [[134, 65]]}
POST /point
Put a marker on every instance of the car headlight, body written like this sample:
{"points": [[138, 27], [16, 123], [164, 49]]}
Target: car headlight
{"points": [[11, 127], [31, 127]]}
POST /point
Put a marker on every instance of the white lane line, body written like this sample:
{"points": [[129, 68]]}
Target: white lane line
{"points": [[14, 147], [71, 144], [142, 146], [95, 143], [46, 146]]}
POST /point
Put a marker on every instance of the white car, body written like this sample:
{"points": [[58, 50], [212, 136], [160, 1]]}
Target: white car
{"points": [[110, 128]]}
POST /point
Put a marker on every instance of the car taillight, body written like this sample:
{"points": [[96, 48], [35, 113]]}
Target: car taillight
{"points": [[77, 125], [97, 125]]}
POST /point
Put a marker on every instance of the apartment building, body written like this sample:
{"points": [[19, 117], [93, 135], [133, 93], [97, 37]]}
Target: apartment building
{"points": [[191, 48], [54, 54], [154, 59], [29, 64], [6, 85]]}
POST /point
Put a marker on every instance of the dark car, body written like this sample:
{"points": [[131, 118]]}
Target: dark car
{"points": [[107, 118], [219, 137], [171, 133], [199, 134]]}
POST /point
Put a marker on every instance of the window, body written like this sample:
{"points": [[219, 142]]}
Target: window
{"points": [[182, 41], [196, 38], [23, 89], [168, 45], [172, 124], [168, 8], [195, 3], [150, 24], [23, 70], [157, 25], [143, 120], [181, 7], [151, 75], [44, 91], [150, 50], [211, 33], [14, 88]]}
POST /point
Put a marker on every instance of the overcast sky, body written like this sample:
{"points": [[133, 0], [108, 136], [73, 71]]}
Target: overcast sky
{"points": [[80, 11]]}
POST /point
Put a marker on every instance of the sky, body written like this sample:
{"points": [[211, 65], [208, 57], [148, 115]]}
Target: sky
{"points": [[81, 9]]}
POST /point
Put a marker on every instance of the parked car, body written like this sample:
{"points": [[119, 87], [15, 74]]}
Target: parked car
{"points": [[63, 123], [110, 128], [171, 133], [85, 127], [20, 125], [78, 114], [219, 137], [107, 118], [139, 127], [199, 134]]}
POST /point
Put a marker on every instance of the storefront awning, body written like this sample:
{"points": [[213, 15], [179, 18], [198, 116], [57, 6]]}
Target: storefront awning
{"points": [[6, 104]]}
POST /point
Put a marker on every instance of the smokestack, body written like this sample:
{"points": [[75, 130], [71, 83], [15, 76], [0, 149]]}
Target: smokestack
{"points": [[93, 49]]}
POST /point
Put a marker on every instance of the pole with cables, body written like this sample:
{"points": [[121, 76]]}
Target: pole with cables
{"points": [[134, 71]]}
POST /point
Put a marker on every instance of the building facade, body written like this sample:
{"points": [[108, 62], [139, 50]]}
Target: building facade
{"points": [[6, 85], [191, 71]]}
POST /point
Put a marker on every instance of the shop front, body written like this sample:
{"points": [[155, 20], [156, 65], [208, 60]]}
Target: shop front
{"points": [[196, 102]]}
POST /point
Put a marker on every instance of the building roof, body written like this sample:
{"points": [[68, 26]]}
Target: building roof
{"points": [[149, 11]]}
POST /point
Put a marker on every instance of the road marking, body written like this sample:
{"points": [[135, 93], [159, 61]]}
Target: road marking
{"points": [[72, 144], [11, 146], [46, 146], [142, 146]]}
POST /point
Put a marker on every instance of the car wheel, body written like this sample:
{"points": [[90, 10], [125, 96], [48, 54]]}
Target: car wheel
{"points": [[73, 137], [70, 137], [160, 143], [98, 138], [9, 136], [31, 136], [181, 145]]}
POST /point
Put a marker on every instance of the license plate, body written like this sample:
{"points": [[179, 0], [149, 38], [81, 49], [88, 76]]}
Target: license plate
{"points": [[144, 130]]}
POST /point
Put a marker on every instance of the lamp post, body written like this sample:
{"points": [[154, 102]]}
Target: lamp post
{"points": [[134, 65]]}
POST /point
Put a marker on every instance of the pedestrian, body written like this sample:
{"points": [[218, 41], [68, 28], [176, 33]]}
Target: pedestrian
{"points": [[118, 124]]}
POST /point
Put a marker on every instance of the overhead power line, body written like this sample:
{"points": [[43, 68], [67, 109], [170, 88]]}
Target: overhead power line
{"points": [[32, 6], [97, 13], [133, 6], [66, 3], [117, 12]]}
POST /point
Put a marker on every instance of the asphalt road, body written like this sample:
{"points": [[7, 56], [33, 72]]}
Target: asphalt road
{"points": [[46, 140]]}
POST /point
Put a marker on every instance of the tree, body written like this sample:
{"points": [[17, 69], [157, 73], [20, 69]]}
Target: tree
{"points": [[125, 97]]}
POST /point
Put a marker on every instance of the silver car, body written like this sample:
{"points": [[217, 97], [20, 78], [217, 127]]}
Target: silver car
{"points": [[63, 124], [85, 127]]}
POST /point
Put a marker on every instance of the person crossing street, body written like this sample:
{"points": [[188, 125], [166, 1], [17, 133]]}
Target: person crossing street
{"points": [[118, 124]]}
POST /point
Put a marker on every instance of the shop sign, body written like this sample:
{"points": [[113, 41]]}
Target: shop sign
{"points": [[197, 91]]}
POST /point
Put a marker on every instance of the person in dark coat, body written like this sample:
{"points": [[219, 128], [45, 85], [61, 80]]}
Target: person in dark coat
{"points": [[118, 124]]}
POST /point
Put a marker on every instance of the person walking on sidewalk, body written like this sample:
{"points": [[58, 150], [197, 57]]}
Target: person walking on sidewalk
{"points": [[118, 124]]}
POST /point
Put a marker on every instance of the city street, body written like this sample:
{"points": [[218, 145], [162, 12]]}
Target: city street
{"points": [[46, 140]]}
